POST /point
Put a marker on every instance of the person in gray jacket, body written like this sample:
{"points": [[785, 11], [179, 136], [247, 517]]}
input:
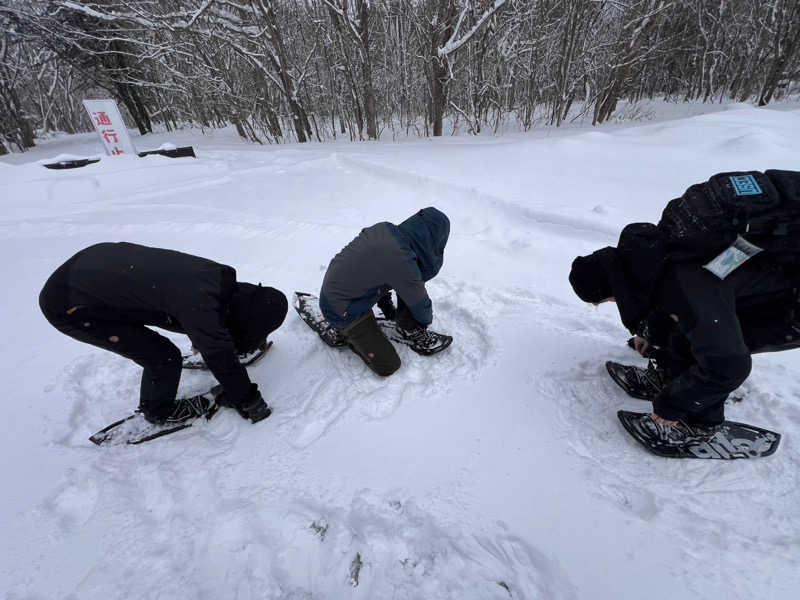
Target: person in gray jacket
{"points": [[382, 258]]}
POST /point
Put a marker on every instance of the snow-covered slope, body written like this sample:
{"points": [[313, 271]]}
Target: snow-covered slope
{"points": [[497, 469]]}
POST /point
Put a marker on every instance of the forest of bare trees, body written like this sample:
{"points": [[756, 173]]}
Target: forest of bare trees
{"points": [[300, 70]]}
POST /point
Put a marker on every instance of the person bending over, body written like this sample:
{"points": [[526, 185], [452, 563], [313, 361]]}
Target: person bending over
{"points": [[109, 295], [382, 258]]}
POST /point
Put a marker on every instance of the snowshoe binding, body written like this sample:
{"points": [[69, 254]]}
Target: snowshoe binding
{"points": [[137, 428], [638, 382], [184, 410], [421, 340]]}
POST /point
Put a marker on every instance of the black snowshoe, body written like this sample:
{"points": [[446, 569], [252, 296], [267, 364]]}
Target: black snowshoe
{"points": [[194, 360], [638, 382], [727, 441], [421, 340], [137, 429]]}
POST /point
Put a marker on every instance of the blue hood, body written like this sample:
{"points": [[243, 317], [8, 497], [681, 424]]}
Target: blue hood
{"points": [[427, 233]]}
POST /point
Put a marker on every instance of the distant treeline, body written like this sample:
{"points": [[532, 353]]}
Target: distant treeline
{"points": [[299, 70]]}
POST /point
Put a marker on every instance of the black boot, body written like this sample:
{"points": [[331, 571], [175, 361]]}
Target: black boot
{"points": [[256, 409], [252, 407]]}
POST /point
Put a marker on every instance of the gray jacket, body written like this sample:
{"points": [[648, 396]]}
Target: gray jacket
{"points": [[384, 257]]}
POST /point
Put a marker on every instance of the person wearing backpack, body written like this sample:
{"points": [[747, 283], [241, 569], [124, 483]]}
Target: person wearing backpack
{"points": [[721, 270]]}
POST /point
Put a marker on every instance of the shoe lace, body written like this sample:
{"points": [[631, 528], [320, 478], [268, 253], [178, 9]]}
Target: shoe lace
{"points": [[186, 408], [678, 433], [649, 377], [419, 336]]}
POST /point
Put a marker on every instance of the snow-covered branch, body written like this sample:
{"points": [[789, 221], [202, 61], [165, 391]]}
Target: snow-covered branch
{"points": [[454, 43], [289, 70]]}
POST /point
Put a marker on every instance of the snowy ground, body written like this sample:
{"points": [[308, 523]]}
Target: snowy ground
{"points": [[496, 470]]}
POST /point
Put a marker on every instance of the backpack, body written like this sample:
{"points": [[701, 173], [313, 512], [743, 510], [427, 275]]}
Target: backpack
{"points": [[764, 208]]}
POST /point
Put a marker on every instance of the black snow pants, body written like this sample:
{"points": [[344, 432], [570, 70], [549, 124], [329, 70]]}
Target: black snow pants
{"points": [[710, 356], [159, 358]]}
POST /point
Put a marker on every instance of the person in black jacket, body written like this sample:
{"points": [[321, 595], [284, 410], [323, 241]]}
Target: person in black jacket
{"points": [[769, 324], [708, 354], [107, 295]]}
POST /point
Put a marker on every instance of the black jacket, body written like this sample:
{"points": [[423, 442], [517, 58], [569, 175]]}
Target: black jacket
{"points": [[639, 270], [152, 286]]}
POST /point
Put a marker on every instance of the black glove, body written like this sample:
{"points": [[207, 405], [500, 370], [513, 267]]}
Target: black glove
{"points": [[387, 306], [250, 407]]}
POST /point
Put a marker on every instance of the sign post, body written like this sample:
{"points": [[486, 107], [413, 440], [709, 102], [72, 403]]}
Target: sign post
{"points": [[110, 127]]}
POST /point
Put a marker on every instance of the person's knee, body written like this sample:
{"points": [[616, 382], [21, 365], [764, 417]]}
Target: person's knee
{"points": [[730, 372], [382, 360], [386, 368], [367, 340], [740, 370]]}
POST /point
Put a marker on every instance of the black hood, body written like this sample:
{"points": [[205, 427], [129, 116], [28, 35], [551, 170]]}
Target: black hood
{"points": [[633, 269], [255, 312], [427, 232]]}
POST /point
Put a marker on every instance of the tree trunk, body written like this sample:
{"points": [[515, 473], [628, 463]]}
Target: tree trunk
{"points": [[786, 47], [439, 81], [440, 31], [370, 108], [626, 56]]}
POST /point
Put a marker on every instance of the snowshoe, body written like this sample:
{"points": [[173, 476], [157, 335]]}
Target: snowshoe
{"points": [[307, 306], [728, 441], [136, 429], [420, 340], [195, 360], [638, 382]]}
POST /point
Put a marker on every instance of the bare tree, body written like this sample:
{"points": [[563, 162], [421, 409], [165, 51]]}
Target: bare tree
{"points": [[783, 22], [352, 20], [286, 70]]}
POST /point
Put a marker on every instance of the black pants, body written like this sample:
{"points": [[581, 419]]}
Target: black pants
{"points": [[159, 357], [401, 315], [404, 319], [365, 338], [709, 356]]}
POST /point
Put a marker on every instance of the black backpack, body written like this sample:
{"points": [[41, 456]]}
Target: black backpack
{"points": [[764, 208]]}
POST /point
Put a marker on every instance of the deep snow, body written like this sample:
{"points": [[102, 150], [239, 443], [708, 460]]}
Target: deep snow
{"points": [[497, 469]]}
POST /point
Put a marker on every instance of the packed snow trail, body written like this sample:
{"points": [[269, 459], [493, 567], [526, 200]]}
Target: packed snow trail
{"points": [[494, 470]]}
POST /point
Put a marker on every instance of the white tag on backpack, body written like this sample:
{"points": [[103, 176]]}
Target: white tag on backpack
{"points": [[732, 257]]}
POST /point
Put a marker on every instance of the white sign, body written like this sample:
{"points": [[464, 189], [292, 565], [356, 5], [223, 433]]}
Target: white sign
{"points": [[110, 127]]}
